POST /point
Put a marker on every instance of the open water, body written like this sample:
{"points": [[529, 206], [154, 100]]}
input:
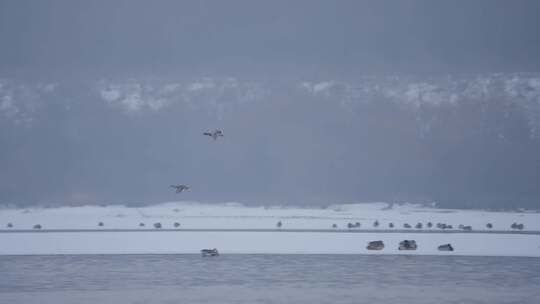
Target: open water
{"points": [[268, 279]]}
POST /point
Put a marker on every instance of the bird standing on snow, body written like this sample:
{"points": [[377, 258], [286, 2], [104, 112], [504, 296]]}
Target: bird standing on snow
{"points": [[215, 134], [180, 188]]}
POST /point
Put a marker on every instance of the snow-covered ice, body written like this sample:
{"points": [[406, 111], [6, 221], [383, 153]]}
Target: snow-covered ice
{"points": [[234, 228]]}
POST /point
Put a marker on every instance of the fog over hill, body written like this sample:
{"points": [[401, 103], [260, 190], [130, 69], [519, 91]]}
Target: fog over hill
{"points": [[467, 140], [320, 101]]}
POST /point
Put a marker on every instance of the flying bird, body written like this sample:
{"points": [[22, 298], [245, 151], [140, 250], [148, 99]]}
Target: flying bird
{"points": [[180, 188], [215, 134]]}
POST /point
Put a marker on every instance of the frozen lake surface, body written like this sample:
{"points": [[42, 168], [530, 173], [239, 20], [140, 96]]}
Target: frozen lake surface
{"points": [[239, 278], [187, 227]]}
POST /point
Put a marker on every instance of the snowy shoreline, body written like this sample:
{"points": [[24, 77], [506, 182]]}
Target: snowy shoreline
{"points": [[382, 231], [262, 243], [236, 229]]}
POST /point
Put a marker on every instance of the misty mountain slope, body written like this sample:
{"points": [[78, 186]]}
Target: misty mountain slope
{"points": [[467, 141]]}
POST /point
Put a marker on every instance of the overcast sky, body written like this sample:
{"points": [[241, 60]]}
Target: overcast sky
{"points": [[237, 36], [106, 101]]}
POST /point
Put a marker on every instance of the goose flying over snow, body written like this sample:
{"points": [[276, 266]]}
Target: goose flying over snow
{"points": [[215, 134], [180, 188]]}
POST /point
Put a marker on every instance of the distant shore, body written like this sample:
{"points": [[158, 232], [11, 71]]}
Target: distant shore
{"points": [[400, 231]]}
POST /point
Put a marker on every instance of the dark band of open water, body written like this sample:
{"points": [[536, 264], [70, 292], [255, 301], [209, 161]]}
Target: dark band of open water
{"points": [[268, 279]]}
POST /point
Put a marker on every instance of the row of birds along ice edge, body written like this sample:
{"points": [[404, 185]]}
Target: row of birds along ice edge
{"points": [[194, 215], [234, 228]]}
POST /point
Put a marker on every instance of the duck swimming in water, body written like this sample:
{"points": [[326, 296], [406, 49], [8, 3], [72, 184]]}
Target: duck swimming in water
{"points": [[209, 252]]}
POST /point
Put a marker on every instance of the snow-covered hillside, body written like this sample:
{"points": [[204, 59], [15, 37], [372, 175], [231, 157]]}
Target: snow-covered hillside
{"points": [[234, 228]]}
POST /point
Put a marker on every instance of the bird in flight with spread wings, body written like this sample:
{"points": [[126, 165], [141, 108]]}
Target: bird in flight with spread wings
{"points": [[180, 188], [215, 134]]}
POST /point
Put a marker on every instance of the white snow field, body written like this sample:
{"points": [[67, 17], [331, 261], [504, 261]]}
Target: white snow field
{"points": [[234, 228]]}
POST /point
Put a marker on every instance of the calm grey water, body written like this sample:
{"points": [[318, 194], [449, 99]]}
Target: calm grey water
{"points": [[268, 279]]}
